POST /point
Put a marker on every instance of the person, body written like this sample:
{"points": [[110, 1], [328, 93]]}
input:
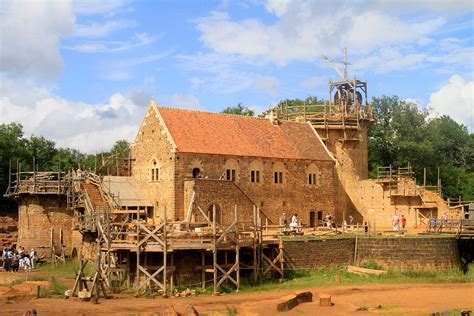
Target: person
{"points": [[395, 222], [444, 220], [33, 258], [351, 221], [404, 222], [294, 222], [7, 258], [16, 263], [366, 228], [283, 221], [434, 223]]}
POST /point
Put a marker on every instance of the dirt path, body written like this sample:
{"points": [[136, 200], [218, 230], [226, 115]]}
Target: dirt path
{"points": [[420, 299]]}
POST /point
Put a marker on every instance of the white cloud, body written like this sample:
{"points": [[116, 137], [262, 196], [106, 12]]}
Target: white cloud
{"points": [[87, 127], [455, 99], [305, 30], [30, 35], [185, 101], [139, 40], [97, 30]]}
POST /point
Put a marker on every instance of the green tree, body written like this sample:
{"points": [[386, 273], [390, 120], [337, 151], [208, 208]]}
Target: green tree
{"points": [[239, 109]]}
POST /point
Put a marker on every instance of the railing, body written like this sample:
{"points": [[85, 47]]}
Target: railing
{"points": [[392, 173], [322, 111], [459, 201], [37, 183]]}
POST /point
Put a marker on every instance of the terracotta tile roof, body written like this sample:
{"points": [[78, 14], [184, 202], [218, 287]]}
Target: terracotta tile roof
{"points": [[237, 135]]}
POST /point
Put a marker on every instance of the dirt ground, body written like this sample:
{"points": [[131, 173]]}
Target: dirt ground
{"points": [[420, 299]]}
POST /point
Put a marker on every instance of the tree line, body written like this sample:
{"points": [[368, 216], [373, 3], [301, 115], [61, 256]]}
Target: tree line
{"points": [[402, 133], [17, 149]]}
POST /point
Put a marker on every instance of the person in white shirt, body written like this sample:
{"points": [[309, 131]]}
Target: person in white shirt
{"points": [[294, 221]]}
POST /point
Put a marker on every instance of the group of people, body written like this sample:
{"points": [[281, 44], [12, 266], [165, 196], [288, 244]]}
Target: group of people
{"points": [[329, 221], [396, 221], [17, 259], [294, 224]]}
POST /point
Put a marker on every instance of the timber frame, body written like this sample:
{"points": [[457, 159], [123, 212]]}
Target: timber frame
{"points": [[133, 252]]}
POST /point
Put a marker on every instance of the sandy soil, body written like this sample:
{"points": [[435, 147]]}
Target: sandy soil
{"points": [[420, 299]]}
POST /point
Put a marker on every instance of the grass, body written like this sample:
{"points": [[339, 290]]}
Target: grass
{"points": [[67, 269], [327, 277], [55, 289]]}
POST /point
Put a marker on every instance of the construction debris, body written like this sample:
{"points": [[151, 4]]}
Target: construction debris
{"points": [[363, 271]]}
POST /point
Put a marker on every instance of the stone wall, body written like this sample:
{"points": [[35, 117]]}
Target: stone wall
{"points": [[295, 194], [314, 254], [395, 253], [410, 253], [154, 144], [225, 195], [37, 216]]}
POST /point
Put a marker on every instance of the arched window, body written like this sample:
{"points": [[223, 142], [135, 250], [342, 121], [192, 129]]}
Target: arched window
{"points": [[154, 171], [256, 172], [279, 171], [312, 175], [231, 170]]}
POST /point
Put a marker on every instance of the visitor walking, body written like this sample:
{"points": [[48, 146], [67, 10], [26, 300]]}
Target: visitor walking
{"points": [[404, 222], [395, 223], [33, 258]]}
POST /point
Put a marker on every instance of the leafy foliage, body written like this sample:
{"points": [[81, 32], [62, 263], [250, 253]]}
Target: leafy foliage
{"points": [[18, 150], [404, 134], [239, 109]]}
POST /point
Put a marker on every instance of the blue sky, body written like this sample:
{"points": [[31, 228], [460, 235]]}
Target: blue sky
{"points": [[82, 73]]}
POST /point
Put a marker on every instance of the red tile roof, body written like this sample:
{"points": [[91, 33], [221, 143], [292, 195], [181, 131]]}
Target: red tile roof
{"points": [[237, 135]]}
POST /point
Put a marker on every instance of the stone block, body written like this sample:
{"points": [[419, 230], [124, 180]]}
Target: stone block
{"points": [[325, 300], [304, 297], [287, 303]]}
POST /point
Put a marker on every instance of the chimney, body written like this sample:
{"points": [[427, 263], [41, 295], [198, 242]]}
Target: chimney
{"points": [[271, 116]]}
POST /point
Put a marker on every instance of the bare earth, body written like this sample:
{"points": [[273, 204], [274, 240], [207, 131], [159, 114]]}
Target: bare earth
{"points": [[420, 299]]}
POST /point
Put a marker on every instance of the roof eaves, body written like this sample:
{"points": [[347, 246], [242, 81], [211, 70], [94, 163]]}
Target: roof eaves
{"points": [[322, 143]]}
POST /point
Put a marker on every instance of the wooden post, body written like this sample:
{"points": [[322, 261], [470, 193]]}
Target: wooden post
{"points": [[355, 247], [255, 243], [172, 273], [34, 175], [137, 277], [282, 259], [237, 261], [203, 270], [117, 166], [424, 177], [9, 175], [214, 251], [164, 254], [128, 270]]}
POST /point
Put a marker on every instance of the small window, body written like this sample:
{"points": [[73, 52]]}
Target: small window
{"points": [[312, 178], [278, 177], [154, 171], [255, 176], [196, 173], [230, 174]]}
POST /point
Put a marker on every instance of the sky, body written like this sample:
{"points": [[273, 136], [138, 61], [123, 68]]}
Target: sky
{"points": [[82, 73]]}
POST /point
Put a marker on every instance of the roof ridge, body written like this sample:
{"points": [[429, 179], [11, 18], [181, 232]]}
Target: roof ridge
{"points": [[209, 112]]}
